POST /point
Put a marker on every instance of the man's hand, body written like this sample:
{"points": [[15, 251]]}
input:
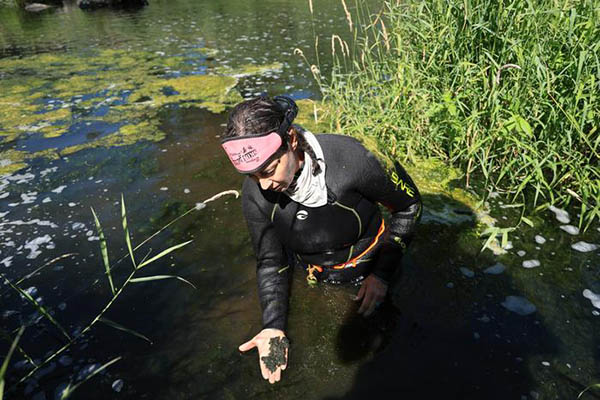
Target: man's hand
{"points": [[272, 348], [372, 292]]}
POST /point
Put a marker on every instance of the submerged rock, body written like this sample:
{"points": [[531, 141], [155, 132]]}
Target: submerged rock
{"points": [[519, 305], [94, 4], [593, 297], [495, 269], [118, 385], [584, 247], [570, 229], [531, 263], [561, 215], [36, 7], [467, 272]]}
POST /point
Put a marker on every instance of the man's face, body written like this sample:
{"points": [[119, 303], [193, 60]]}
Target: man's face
{"points": [[279, 173]]}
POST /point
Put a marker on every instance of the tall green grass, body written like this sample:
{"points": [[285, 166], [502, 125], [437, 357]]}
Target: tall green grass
{"points": [[509, 91]]}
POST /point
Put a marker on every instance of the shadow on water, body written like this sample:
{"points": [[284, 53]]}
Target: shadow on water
{"points": [[446, 334]]}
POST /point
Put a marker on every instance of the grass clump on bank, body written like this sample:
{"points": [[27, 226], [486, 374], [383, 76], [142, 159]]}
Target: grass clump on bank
{"points": [[508, 92]]}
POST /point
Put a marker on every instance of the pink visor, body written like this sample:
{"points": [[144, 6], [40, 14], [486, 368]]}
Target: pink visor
{"points": [[249, 154]]}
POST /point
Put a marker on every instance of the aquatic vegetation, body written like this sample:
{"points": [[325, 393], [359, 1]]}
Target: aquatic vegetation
{"points": [[249, 69], [507, 93], [46, 94], [313, 115]]}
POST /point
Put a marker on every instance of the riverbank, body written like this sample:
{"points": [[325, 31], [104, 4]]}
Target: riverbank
{"points": [[506, 92]]}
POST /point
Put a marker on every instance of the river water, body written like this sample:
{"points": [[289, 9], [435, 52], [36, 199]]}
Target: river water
{"points": [[99, 105]]}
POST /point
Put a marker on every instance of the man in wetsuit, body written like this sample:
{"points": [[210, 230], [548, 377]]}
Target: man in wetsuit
{"points": [[313, 201]]}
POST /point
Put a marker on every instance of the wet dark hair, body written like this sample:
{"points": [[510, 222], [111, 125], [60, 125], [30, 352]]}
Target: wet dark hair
{"points": [[263, 115]]}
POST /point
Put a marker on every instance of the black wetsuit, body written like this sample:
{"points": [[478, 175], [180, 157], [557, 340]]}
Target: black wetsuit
{"points": [[334, 233]]}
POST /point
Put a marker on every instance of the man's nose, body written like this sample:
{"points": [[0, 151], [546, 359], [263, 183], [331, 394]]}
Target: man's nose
{"points": [[265, 183]]}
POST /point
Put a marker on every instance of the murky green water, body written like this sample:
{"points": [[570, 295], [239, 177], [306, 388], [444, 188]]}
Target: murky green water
{"points": [[95, 105]]}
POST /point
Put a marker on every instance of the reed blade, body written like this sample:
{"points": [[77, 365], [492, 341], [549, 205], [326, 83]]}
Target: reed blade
{"points": [[120, 327], [104, 251], [126, 230], [68, 391], [4, 366], [161, 277], [164, 253], [38, 307]]}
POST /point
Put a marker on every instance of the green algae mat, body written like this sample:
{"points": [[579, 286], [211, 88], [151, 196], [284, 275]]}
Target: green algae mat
{"points": [[111, 98]]}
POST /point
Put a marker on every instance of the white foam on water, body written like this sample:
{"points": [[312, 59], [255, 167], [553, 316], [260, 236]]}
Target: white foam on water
{"points": [[593, 297], [467, 272], [2, 215], [47, 200], [4, 195], [93, 238], [65, 361], [570, 229], [164, 188], [87, 370], [495, 269], [531, 263], [561, 215], [59, 189], [77, 225], [34, 245], [584, 247], [539, 239], [519, 305], [7, 261], [72, 204], [484, 318], [20, 178], [545, 363], [28, 198], [32, 222], [48, 171], [186, 190]]}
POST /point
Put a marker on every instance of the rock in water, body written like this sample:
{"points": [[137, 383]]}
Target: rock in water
{"points": [[519, 305], [495, 269], [36, 7], [594, 298], [584, 247]]}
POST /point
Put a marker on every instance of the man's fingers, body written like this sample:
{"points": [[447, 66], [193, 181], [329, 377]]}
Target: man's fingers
{"points": [[371, 308], [365, 303], [276, 376], [250, 344], [361, 293], [264, 371], [284, 366]]}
